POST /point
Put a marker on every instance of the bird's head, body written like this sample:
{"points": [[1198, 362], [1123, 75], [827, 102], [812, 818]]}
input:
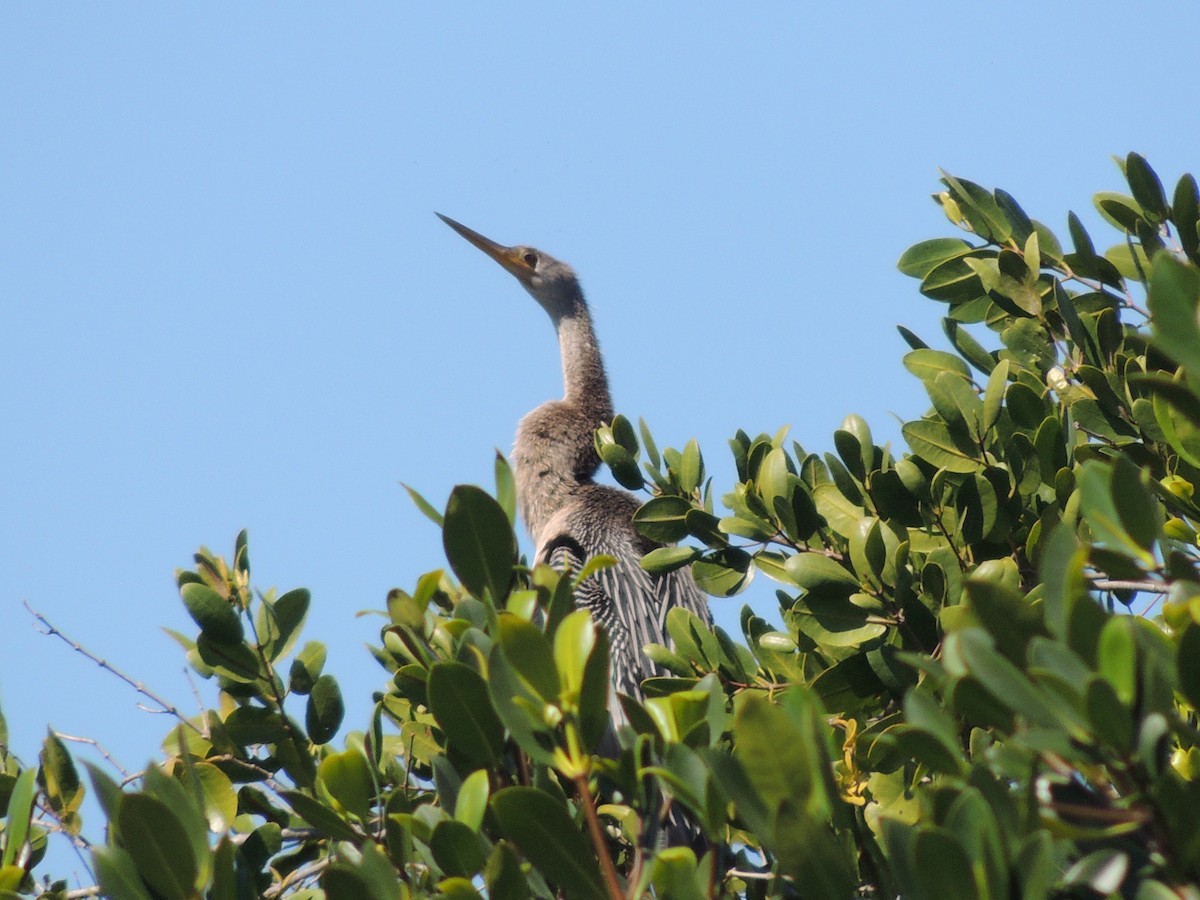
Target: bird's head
{"points": [[551, 282]]}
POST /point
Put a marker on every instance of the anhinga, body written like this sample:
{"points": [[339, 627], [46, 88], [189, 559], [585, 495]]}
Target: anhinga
{"points": [[570, 517]]}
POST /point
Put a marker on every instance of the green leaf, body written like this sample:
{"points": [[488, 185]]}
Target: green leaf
{"points": [[459, 700], [928, 364], [1185, 213], [506, 488], [921, 259], [215, 616], [971, 650], [425, 507], [970, 349], [723, 573], [780, 750], [321, 817], [1121, 211], [306, 667], [118, 874], [663, 518], [529, 652], [814, 571], [219, 800], [288, 615], [993, 396], [667, 559], [457, 849], [1187, 661], [691, 467], [479, 542], [503, 875], [347, 777], [1173, 299], [59, 780], [1099, 506], [471, 802], [157, 842], [942, 865], [545, 834], [932, 442], [20, 808], [838, 621], [1146, 187], [980, 209], [325, 710]]}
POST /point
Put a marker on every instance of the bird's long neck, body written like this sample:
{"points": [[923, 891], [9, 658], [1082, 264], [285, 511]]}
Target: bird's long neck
{"points": [[555, 451], [584, 381]]}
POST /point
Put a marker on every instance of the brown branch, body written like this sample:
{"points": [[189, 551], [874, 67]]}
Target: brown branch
{"points": [[597, 835], [169, 709]]}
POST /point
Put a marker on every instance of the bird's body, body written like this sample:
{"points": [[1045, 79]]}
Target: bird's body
{"points": [[570, 517]]}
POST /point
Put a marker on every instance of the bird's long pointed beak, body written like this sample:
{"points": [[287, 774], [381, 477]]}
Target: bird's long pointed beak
{"points": [[509, 257]]}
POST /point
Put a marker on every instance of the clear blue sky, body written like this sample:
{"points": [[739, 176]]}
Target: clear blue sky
{"points": [[226, 300]]}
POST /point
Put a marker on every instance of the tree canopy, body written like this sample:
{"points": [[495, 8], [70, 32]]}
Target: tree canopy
{"points": [[983, 682]]}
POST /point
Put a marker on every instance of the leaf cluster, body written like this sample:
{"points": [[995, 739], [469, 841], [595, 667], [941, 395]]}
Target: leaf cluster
{"points": [[982, 679]]}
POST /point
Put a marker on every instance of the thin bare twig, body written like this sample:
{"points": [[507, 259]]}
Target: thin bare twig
{"points": [[80, 893], [307, 871], [1150, 587], [95, 745], [165, 707]]}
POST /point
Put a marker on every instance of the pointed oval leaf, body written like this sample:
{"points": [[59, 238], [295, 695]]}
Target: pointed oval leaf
{"points": [[325, 710], [215, 616], [548, 837], [459, 700], [479, 542], [158, 844]]}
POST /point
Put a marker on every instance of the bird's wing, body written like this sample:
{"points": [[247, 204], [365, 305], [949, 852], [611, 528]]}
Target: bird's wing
{"points": [[679, 588], [624, 602]]}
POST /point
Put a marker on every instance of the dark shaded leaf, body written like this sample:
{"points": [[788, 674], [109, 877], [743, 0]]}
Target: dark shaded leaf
{"points": [[479, 542], [458, 697], [546, 835], [325, 710]]}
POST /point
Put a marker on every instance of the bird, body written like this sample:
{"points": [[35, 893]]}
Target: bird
{"points": [[570, 517]]}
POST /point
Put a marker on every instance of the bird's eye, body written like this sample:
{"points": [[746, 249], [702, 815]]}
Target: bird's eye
{"points": [[531, 260]]}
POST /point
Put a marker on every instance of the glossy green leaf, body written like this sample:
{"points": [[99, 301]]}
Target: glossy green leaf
{"points": [[546, 835], [973, 650], [325, 710], [347, 777], [928, 364], [1146, 187], [1173, 299], [217, 796], [815, 571], [1185, 213], [667, 559], [155, 839], [662, 519], [215, 616], [117, 874], [20, 807], [471, 802], [457, 849], [479, 542], [506, 487], [459, 700], [320, 816], [427, 509], [530, 654], [922, 258], [285, 622], [503, 876], [931, 441]]}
